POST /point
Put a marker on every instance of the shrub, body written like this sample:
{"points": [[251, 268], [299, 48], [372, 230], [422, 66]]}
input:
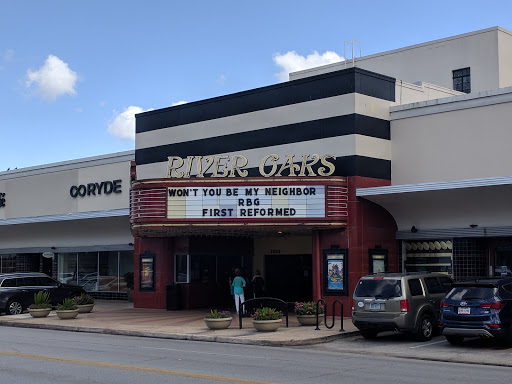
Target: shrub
{"points": [[67, 305], [266, 313], [216, 314], [83, 299], [307, 308], [41, 300]]}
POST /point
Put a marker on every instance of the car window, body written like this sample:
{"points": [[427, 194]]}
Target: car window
{"points": [[446, 283], [471, 293], [433, 285], [415, 287], [46, 281], [508, 288], [380, 288], [26, 282], [9, 283]]}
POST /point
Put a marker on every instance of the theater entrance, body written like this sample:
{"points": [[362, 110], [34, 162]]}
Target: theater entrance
{"points": [[289, 277]]}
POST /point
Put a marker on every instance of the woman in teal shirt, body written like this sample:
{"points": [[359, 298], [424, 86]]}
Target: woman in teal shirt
{"points": [[238, 288]]}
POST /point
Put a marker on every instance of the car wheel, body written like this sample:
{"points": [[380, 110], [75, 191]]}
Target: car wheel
{"points": [[455, 340], [426, 328], [369, 333], [14, 307]]}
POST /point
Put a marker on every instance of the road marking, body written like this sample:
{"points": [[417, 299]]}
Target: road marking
{"points": [[426, 345], [134, 368]]}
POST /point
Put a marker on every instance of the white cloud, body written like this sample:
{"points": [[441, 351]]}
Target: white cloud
{"points": [[123, 124], [179, 103], [292, 62], [53, 79], [222, 79], [8, 55]]}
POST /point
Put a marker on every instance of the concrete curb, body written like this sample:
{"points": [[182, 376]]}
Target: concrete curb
{"points": [[186, 336]]}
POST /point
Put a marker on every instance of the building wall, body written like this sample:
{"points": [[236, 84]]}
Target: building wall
{"points": [[487, 52], [464, 137], [45, 190]]}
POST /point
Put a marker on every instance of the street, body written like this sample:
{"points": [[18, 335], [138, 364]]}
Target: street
{"points": [[47, 356]]}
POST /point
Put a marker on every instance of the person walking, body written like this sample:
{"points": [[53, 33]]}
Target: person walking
{"points": [[258, 284], [238, 288]]}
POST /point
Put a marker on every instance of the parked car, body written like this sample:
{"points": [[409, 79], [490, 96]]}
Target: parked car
{"points": [[17, 290], [405, 302], [478, 308]]}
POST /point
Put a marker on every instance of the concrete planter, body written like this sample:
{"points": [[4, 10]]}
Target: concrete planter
{"points": [[310, 319], [39, 312], [267, 325], [67, 314], [222, 323], [85, 308]]}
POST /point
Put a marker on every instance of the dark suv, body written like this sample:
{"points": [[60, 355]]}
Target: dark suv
{"points": [[406, 302], [17, 290], [478, 308]]}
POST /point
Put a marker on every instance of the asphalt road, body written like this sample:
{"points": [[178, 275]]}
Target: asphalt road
{"points": [[395, 344], [45, 356]]}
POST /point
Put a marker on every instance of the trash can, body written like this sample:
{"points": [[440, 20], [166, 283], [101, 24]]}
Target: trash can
{"points": [[173, 292]]}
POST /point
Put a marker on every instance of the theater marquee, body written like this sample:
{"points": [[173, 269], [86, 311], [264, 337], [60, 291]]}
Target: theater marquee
{"points": [[247, 202]]}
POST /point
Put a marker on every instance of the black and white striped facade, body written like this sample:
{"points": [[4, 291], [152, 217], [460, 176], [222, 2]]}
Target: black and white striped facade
{"points": [[343, 113]]}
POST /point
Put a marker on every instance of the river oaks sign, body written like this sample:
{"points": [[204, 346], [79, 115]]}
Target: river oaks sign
{"points": [[92, 189], [247, 202], [2, 199], [235, 166]]}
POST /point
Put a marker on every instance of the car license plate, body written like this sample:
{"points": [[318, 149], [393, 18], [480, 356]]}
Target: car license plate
{"points": [[464, 311], [374, 305]]}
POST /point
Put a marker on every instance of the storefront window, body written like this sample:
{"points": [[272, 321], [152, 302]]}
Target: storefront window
{"points": [[108, 271], [66, 271], [96, 271], [88, 270], [7, 263], [125, 265]]}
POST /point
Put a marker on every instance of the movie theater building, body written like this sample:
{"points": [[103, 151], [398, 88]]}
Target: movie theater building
{"points": [[342, 171], [71, 221]]}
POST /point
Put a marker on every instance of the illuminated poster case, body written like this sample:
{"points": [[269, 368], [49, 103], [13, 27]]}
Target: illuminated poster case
{"points": [[147, 272], [335, 271]]}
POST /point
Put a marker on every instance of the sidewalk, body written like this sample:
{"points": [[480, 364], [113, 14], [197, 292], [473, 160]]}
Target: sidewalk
{"points": [[120, 318]]}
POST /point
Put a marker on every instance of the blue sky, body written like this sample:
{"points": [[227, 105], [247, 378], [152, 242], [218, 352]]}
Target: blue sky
{"points": [[73, 73]]}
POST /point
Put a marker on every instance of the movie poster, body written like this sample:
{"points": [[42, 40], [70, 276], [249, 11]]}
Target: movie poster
{"points": [[147, 273], [335, 265]]}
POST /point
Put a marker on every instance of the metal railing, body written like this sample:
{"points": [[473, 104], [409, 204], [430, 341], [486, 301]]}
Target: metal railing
{"points": [[247, 308], [325, 314]]}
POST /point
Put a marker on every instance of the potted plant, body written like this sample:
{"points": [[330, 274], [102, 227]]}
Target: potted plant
{"points": [[306, 312], [67, 310], [128, 278], [267, 319], [218, 320], [41, 306], [84, 302]]}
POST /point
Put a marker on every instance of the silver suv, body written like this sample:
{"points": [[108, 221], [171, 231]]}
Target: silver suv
{"points": [[406, 302]]}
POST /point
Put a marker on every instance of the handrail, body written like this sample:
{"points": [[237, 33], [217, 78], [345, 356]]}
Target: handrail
{"points": [[325, 314], [250, 305]]}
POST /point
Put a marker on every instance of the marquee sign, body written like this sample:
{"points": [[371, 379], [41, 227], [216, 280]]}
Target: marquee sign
{"points": [[247, 202], [234, 166]]}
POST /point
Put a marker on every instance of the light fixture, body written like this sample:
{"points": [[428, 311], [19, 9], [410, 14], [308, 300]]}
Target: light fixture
{"points": [[130, 244], [53, 247], [414, 229], [473, 225]]}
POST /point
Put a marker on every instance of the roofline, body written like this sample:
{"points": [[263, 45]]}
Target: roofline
{"points": [[93, 161], [406, 48]]}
